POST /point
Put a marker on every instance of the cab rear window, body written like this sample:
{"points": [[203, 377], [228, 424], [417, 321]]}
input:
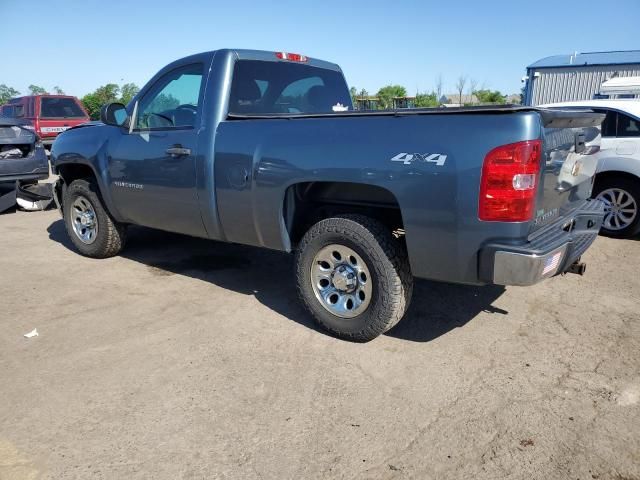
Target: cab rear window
{"points": [[55, 107], [262, 87]]}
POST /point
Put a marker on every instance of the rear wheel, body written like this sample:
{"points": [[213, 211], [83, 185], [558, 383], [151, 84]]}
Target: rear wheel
{"points": [[91, 228], [621, 197], [353, 277]]}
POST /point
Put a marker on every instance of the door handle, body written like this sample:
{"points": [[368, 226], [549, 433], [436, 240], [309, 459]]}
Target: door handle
{"points": [[178, 151]]}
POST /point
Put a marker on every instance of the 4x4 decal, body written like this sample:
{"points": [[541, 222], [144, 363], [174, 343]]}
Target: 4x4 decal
{"points": [[409, 158]]}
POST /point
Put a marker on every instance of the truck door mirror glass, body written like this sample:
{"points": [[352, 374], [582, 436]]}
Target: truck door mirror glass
{"points": [[114, 114]]}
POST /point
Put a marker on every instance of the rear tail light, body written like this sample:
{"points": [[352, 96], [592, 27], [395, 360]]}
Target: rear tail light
{"points": [[293, 57], [508, 183]]}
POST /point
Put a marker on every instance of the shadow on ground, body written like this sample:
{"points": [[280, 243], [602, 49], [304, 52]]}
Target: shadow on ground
{"points": [[267, 275]]}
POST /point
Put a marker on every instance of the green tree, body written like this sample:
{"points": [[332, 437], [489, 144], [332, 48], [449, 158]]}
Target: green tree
{"points": [[37, 90], [424, 100], [473, 84], [58, 90], [7, 93], [353, 91], [94, 101], [489, 96], [362, 95], [387, 94], [439, 83], [128, 91], [462, 81], [162, 103]]}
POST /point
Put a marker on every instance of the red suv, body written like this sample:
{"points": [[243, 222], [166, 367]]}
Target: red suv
{"points": [[48, 115]]}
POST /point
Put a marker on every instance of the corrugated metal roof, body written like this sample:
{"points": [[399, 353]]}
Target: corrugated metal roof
{"points": [[589, 58]]}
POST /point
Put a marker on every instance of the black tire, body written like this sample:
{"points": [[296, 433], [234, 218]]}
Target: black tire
{"points": [[110, 236], [386, 260], [632, 188]]}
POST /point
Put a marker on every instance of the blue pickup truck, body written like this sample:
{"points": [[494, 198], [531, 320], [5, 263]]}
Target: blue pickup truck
{"points": [[265, 149]]}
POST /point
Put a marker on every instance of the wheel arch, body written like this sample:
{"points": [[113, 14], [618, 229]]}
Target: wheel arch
{"points": [[68, 172], [607, 175], [305, 203], [74, 171]]}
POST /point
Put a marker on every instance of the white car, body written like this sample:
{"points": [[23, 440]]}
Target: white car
{"points": [[617, 181]]}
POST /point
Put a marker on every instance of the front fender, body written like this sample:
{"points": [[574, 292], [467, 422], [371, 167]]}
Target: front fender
{"points": [[86, 150]]}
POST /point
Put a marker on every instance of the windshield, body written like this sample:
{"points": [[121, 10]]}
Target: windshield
{"points": [[60, 107], [260, 87]]}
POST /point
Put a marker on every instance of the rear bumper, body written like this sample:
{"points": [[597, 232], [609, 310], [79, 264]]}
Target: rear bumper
{"points": [[25, 177], [549, 253], [35, 166]]}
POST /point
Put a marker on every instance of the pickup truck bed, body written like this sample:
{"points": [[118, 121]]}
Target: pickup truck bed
{"points": [[444, 243], [259, 155]]}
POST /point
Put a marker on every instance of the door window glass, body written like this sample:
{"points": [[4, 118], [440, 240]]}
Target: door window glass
{"points": [[627, 126], [173, 101], [609, 123], [295, 97], [60, 107], [261, 87]]}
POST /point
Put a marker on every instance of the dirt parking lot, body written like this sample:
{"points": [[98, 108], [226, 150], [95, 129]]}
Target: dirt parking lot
{"points": [[191, 359]]}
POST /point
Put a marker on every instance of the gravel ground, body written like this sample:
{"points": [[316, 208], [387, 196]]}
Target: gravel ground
{"points": [[191, 359]]}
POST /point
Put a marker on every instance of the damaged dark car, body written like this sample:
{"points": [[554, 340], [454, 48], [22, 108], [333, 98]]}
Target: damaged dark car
{"points": [[23, 162]]}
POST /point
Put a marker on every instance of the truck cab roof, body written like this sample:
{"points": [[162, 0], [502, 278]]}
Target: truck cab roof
{"points": [[260, 55]]}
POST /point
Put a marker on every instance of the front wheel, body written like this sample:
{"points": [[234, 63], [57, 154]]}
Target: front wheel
{"points": [[89, 225], [621, 197], [353, 277]]}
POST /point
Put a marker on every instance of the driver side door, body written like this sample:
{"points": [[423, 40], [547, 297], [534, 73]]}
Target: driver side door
{"points": [[152, 166]]}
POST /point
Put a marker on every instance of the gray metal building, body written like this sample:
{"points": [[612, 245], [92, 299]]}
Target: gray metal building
{"points": [[563, 78]]}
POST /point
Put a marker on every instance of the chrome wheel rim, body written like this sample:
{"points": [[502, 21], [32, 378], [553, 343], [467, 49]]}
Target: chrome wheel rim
{"points": [[620, 208], [83, 219], [341, 281]]}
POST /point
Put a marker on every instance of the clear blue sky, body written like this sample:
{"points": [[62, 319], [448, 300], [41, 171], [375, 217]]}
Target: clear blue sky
{"points": [[80, 45]]}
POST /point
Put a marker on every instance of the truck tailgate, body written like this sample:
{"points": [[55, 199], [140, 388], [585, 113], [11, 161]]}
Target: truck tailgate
{"points": [[57, 114], [571, 140], [50, 128]]}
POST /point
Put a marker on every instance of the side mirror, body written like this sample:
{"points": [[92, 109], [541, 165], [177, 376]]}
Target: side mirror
{"points": [[114, 114]]}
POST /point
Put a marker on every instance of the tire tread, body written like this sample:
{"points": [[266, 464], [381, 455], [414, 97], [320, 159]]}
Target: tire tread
{"points": [[111, 234], [387, 251], [633, 188]]}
